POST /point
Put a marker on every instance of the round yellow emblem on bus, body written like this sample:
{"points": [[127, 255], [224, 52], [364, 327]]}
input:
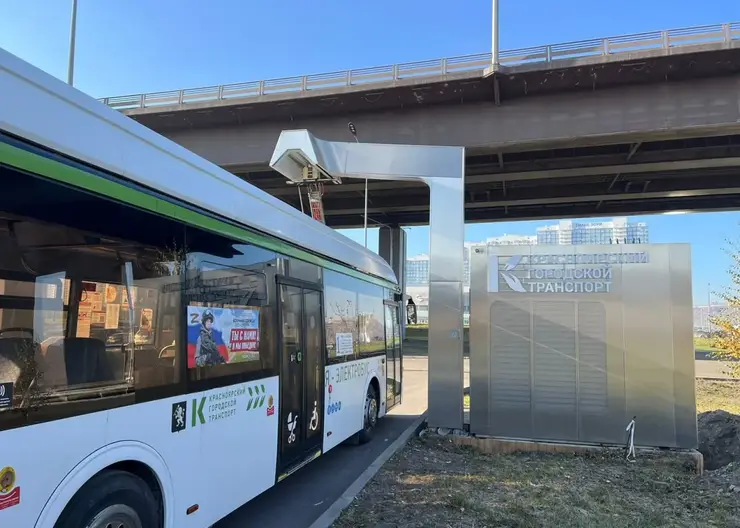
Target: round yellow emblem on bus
{"points": [[7, 479]]}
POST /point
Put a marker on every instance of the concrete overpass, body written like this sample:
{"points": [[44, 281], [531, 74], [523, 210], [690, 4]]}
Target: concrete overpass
{"points": [[633, 124]]}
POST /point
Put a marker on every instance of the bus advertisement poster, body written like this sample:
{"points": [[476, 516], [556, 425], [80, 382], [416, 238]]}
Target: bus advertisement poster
{"points": [[222, 335]]}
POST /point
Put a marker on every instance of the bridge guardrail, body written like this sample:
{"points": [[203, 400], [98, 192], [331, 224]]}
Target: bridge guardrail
{"points": [[652, 40]]}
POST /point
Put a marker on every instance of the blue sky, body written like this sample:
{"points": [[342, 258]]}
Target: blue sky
{"points": [[133, 46]]}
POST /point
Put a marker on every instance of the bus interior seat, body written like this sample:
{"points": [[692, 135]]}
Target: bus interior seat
{"points": [[168, 354], [86, 361], [146, 357], [152, 367]]}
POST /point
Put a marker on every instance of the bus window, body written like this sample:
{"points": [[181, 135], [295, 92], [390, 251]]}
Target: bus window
{"points": [[371, 319], [138, 319], [82, 316], [230, 314], [298, 269], [340, 308]]}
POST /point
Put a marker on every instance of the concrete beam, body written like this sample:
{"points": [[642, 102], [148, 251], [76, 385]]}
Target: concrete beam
{"points": [[552, 174], [564, 211], [609, 197], [700, 108]]}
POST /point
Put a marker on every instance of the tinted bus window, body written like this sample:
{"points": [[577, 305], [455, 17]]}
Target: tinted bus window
{"points": [[340, 301]]}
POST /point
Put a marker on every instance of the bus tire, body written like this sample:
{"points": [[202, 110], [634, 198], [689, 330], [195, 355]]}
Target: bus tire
{"points": [[370, 416], [112, 498]]}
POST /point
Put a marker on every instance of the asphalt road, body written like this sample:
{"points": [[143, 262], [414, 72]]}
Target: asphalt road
{"points": [[709, 368], [301, 498]]}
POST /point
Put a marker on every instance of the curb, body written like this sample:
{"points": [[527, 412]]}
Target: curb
{"points": [[335, 510]]}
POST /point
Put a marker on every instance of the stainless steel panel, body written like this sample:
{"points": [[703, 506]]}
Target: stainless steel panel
{"points": [[480, 339], [554, 381], [592, 378], [648, 346], [684, 361], [512, 369], [445, 355], [606, 332], [600, 398], [445, 349], [446, 230]]}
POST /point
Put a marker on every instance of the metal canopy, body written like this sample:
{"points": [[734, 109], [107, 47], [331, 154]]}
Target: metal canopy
{"points": [[443, 170]]}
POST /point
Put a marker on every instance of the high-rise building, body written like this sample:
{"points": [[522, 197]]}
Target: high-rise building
{"points": [[512, 240], [617, 231], [417, 270]]}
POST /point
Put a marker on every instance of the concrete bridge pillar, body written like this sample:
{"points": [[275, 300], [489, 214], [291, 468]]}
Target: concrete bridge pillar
{"points": [[392, 247]]}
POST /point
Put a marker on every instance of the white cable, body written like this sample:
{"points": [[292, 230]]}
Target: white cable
{"points": [[631, 456], [365, 213], [353, 131]]}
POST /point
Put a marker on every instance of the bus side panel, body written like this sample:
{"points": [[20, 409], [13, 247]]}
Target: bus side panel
{"points": [[96, 462], [223, 455], [379, 372], [239, 453], [344, 397], [224, 435], [40, 457]]}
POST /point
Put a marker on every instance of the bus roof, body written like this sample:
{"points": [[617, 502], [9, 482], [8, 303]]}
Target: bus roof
{"points": [[48, 112]]}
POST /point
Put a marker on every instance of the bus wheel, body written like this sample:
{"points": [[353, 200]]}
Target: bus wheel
{"points": [[370, 415], [112, 499]]}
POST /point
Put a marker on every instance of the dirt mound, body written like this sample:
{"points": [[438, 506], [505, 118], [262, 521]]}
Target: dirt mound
{"points": [[719, 438], [727, 477]]}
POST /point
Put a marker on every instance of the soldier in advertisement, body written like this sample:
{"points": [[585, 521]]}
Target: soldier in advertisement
{"points": [[206, 349]]}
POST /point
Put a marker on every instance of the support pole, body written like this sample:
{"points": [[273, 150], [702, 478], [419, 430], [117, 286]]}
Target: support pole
{"points": [[72, 42], [494, 34], [709, 307]]}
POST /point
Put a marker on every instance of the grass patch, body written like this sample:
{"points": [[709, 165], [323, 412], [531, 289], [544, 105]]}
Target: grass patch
{"points": [[715, 395], [432, 482], [704, 344]]}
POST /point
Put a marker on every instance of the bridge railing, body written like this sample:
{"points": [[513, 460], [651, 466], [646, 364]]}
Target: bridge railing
{"points": [[654, 40]]}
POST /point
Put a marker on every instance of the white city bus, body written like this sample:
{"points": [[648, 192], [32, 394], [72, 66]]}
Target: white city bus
{"points": [[173, 341]]}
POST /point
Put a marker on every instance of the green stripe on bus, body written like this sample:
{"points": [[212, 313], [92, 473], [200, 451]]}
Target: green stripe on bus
{"points": [[52, 169]]}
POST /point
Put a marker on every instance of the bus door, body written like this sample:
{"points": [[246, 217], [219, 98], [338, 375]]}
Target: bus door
{"points": [[394, 359], [301, 374]]}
